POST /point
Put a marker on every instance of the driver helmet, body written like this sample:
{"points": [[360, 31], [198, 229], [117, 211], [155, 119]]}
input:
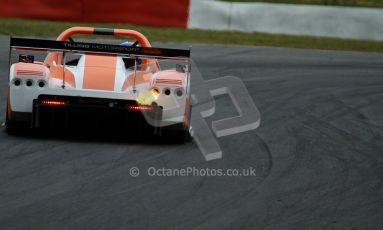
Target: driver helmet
{"points": [[129, 62], [128, 44]]}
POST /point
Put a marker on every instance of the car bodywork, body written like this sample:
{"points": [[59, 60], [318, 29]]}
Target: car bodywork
{"points": [[91, 85]]}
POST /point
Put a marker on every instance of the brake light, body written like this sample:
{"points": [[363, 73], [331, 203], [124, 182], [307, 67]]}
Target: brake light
{"points": [[53, 102], [139, 108]]}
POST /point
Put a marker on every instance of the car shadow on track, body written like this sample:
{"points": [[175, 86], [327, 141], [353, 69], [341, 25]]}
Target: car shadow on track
{"points": [[96, 135]]}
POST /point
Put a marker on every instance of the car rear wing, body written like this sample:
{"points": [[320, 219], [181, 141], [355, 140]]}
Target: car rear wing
{"points": [[82, 47], [29, 44]]}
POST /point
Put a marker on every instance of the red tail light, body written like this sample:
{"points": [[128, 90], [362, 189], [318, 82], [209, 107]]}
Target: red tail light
{"points": [[139, 108], [53, 102]]}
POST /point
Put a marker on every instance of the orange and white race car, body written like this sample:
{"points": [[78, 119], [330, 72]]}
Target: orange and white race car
{"points": [[76, 85]]}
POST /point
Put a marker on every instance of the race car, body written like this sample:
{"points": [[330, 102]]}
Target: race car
{"points": [[129, 87]]}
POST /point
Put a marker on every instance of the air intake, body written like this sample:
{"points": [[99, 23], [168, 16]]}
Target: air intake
{"points": [[25, 72], [168, 81]]}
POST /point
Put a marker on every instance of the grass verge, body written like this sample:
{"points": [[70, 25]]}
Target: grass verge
{"points": [[38, 28]]}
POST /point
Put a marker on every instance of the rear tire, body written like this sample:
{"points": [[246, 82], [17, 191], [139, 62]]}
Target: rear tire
{"points": [[176, 134], [14, 127], [183, 136], [188, 137]]}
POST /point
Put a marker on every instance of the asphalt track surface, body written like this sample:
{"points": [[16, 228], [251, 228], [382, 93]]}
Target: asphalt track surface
{"points": [[318, 156]]}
